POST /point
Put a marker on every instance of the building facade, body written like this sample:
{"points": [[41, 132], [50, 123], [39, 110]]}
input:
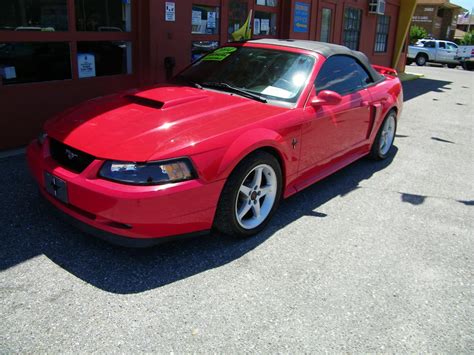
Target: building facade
{"points": [[437, 17], [56, 53]]}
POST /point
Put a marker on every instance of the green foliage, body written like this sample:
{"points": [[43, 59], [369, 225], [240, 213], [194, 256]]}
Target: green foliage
{"points": [[416, 33], [468, 39]]}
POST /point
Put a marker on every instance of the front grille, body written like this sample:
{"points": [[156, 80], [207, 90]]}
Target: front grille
{"points": [[70, 158]]}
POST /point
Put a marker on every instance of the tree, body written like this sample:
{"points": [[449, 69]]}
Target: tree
{"points": [[416, 33], [468, 39]]}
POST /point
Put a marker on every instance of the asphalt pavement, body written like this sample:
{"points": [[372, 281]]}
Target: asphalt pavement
{"points": [[377, 258]]}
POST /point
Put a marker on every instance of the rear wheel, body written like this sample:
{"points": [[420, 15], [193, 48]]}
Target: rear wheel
{"points": [[250, 196], [421, 60], [385, 137]]}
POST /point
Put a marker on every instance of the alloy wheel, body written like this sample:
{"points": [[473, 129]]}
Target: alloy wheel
{"points": [[256, 196]]}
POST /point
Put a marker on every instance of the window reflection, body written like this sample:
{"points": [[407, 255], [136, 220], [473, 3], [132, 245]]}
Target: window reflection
{"points": [[264, 23], [205, 20], [27, 62], [103, 15], [33, 15]]}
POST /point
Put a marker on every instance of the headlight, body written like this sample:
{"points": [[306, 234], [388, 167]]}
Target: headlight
{"points": [[153, 173]]}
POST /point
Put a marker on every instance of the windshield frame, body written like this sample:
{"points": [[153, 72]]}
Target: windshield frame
{"points": [[274, 100]]}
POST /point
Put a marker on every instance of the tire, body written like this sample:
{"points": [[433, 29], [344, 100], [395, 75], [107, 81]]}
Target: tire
{"points": [[421, 60], [233, 200], [452, 66], [468, 65], [380, 149]]}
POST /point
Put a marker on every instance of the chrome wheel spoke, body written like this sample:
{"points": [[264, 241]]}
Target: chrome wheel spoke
{"points": [[244, 209], [245, 190], [257, 179], [265, 190], [256, 209]]}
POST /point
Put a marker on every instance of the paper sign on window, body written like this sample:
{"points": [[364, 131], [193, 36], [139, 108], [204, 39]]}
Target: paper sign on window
{"points": [[86, 65]]}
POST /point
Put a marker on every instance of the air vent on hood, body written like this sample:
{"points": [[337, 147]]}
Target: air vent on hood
{"points": [[144, 101]]}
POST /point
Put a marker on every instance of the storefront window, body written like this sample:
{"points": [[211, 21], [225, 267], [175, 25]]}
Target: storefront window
{"points": [[264, 23], [103, 15], [28, 62], [326, 23], [200, 48], [267, 2], [238, 12], [352, 23], [103, 58], [205, 20], [33, 15]]}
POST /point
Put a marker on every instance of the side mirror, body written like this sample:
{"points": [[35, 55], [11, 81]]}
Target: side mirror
{"points": [[326, 97]]}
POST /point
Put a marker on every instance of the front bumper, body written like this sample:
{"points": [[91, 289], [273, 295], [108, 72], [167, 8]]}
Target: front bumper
{"points": [[142, 213]]}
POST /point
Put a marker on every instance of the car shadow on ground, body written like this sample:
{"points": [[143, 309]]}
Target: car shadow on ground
{"points": [[31, 229], [415, 88]]}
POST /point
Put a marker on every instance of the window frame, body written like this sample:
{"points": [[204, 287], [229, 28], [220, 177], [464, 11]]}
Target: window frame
{"points": [[72, 36]]}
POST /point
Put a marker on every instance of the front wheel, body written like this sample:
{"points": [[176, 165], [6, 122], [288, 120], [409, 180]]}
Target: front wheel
{"points": [[452, 65], [385, 136], [250, 196]]}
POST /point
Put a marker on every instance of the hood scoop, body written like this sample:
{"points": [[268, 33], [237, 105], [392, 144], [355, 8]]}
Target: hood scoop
{"points": [[165, 104], [144, 101]]}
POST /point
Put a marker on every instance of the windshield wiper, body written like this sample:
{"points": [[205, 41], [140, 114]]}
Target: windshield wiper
{"points": [[188, 81], [227, 87]]}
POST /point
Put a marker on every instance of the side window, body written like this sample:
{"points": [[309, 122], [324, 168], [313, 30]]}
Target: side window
{"points": [[442, 45], [429, 44], [342, 74], [452, 46]]}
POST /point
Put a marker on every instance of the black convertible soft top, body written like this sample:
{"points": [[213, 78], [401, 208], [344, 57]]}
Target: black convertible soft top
{"points": [[325, 49]]}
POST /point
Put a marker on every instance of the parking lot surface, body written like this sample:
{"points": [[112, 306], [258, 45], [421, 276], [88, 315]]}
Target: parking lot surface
{"points": [[378, 257]]}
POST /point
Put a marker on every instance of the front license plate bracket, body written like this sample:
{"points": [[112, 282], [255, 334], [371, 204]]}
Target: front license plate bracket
{"points": [[56, 187]]}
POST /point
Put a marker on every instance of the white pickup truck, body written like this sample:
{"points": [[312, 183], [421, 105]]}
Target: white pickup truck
{"points": [[435, 51]]}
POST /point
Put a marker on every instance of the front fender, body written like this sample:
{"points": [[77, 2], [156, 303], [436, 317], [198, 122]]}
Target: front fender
{"points": [[246, 144]]}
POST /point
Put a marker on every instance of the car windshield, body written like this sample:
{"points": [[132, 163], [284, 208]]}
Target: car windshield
{"points": [[257, 73]]}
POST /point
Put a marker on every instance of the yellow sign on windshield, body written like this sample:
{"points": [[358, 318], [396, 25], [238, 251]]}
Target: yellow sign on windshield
{"points": [[220, 54]]}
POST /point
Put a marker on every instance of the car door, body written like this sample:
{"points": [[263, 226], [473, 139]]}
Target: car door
{"points": [[331, 131], [441, 51], [452, 49]]}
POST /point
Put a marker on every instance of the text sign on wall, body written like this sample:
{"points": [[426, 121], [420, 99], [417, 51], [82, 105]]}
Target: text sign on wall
{"points": [[170, 11], [301, 17], [86, 65]]}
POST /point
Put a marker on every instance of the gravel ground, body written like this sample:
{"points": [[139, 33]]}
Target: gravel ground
{"points": [[377, 258]]}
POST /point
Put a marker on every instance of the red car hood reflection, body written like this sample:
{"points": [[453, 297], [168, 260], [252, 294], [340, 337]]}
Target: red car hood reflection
{"points": [[166, 120]]}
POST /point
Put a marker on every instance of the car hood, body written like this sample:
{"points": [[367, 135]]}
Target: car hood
{"points": [[155, 122]]}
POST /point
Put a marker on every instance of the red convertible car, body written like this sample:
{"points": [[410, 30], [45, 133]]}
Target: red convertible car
{"points": [[221, 145]]}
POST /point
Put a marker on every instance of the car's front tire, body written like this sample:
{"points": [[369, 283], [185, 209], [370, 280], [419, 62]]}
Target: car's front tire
{"points": [[385, 136], [250, 196]]}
